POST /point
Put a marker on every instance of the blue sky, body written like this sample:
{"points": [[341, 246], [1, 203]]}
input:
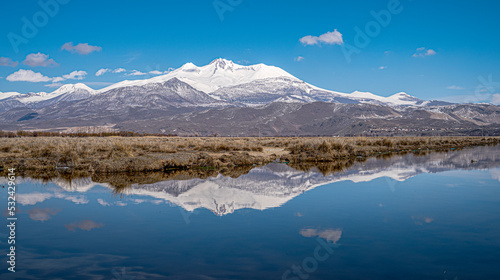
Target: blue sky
{"points": [[429, 49]]}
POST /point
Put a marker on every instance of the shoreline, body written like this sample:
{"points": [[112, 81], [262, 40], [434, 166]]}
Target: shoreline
{"points": [[97, 155]]}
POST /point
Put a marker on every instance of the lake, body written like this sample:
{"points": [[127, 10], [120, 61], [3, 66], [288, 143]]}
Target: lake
{"points": [[428, 216]]}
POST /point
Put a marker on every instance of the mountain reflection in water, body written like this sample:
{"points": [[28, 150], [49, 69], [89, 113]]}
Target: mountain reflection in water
{"points": [[273, 185]]}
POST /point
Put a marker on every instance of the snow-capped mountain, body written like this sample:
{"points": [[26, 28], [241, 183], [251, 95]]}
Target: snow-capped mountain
{"points": [[259, 84], [220, 73], [71, 92], [68, 92], [220, 83], [5, 95], [231, 99], [151, 95]]}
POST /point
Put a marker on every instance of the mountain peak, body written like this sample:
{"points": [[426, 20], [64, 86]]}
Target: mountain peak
{"points": [[221, 60], [209, 78], [188, 67], [221, 63], [402, 94], [72, 88]]}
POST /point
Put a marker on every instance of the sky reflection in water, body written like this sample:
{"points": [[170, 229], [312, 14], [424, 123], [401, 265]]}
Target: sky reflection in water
{"points": [[430, 217]]}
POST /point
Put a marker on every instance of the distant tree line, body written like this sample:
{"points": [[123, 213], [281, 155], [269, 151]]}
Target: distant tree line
{"points": [[22, 133]]}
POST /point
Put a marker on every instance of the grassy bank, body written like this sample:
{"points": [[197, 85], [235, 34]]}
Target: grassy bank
{"points": [[95, 155]]}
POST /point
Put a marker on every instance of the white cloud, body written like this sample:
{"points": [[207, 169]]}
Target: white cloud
{"points": [[299, 58], [155, 72], [39, 59], [136, 73], [35, 77], [455, 87], [102, 71], [54, 85], [102, 202], [120, 203], [27, 76], [329, 38], [382, 67], [430, 52], [73, 198], [80, 48], [42, 214], [87, 225], [423, 52], [77, 199], [58, 79], [332, 235], [5, 61], [75, 75], [32, 198]]}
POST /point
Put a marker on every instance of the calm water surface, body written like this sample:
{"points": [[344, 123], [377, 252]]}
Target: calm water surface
{"points": [[406, 217]]}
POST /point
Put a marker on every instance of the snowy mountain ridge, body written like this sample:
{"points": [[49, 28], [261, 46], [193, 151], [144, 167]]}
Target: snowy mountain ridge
{"points": [[225, 81], [230, 99], [260, 84], [218, 74]]}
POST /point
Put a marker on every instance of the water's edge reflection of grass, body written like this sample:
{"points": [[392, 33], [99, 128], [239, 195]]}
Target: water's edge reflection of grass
{"points": [[146, 154], [120, 181], [324, 155]]}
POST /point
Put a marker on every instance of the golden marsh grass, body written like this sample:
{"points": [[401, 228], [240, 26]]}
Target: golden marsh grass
{"points": [[93, 155]]}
